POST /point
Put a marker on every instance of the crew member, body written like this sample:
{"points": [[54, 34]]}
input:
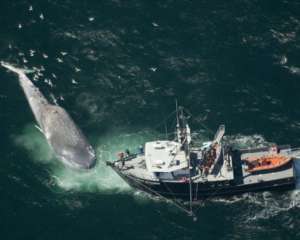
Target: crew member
{"points": [[122, 158], [127, 152], [141, 149]]}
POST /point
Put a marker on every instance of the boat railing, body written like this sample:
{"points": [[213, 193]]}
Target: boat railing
{"points": [[128, 158], [295, 152], [265, 148]]}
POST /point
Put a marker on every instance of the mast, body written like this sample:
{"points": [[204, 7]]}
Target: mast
{"points": [[185, 139], [187, 144], [183, 133]]}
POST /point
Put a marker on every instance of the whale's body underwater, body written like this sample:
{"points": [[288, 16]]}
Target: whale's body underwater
{"points": [[65, 138]]}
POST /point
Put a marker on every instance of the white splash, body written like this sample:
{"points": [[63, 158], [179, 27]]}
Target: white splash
{"points": [[100, 179]]}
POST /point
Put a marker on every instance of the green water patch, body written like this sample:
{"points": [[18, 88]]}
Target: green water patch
{"points": [[32, 140], [99, 179]]}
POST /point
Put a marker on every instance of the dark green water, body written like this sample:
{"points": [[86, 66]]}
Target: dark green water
{"points": [[117, 66]]}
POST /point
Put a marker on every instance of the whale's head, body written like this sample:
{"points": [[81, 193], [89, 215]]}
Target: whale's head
{"points": [[79, 158], [66, 139]]}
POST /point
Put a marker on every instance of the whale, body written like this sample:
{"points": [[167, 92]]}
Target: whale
{"points": [[64, 137]]}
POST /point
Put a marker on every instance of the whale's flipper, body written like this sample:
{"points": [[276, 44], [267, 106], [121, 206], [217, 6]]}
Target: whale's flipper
{"points": [[38, 128]]}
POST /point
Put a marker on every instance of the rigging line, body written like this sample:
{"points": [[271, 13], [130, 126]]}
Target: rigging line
{"points": [[201, 204], [197, 190], [190, 178], [174, 132], [207, 128], [202, 124], [174, 198], [210, 195], [158, 194], [163, 121]]}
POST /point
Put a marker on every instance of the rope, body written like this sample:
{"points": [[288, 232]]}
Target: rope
{"points": [[162, 122], [158, 194], [201, 124], [174, 198], [197, 190]]}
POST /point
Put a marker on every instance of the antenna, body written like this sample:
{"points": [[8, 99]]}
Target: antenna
{"points": [[166, 130], [177, 124], [177, 113]]}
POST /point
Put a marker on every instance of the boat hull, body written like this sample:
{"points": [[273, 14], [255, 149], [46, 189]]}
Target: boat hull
{"points": [[181, 190]]}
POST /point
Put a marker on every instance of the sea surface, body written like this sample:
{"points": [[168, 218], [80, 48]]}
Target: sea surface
{"points": [[117, 67]]}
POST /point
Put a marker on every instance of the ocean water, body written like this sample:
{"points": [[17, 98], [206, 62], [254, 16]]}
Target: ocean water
{"points": [[117, 67]]}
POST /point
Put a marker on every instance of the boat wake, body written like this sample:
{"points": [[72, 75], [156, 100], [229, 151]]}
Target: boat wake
{"points": [[103, 180]]}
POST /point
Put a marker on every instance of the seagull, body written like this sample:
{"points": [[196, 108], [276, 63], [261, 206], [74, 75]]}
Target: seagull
{"points": [[154, 24], [74, 82], [153, 69], [59, 60]]}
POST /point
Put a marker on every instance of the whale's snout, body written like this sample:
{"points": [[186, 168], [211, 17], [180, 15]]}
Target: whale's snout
{"points": [[79, 158]]}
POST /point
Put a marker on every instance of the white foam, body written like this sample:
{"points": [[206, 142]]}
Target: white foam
{"points": [[247, 141], [35, 143], [100, 179]]}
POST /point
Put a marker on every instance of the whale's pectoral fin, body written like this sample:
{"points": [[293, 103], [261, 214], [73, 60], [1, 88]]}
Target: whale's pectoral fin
{"points": [[38, 128]]}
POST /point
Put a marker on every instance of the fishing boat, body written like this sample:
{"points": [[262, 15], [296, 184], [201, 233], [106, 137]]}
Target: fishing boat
{"points": [[183, 171]]}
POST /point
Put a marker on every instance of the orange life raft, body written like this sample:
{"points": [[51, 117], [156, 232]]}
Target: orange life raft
{"points": [[264, 163]]}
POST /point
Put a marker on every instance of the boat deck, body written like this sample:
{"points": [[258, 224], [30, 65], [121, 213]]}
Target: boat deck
{"points": [[221, 172], [136, 166]]}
